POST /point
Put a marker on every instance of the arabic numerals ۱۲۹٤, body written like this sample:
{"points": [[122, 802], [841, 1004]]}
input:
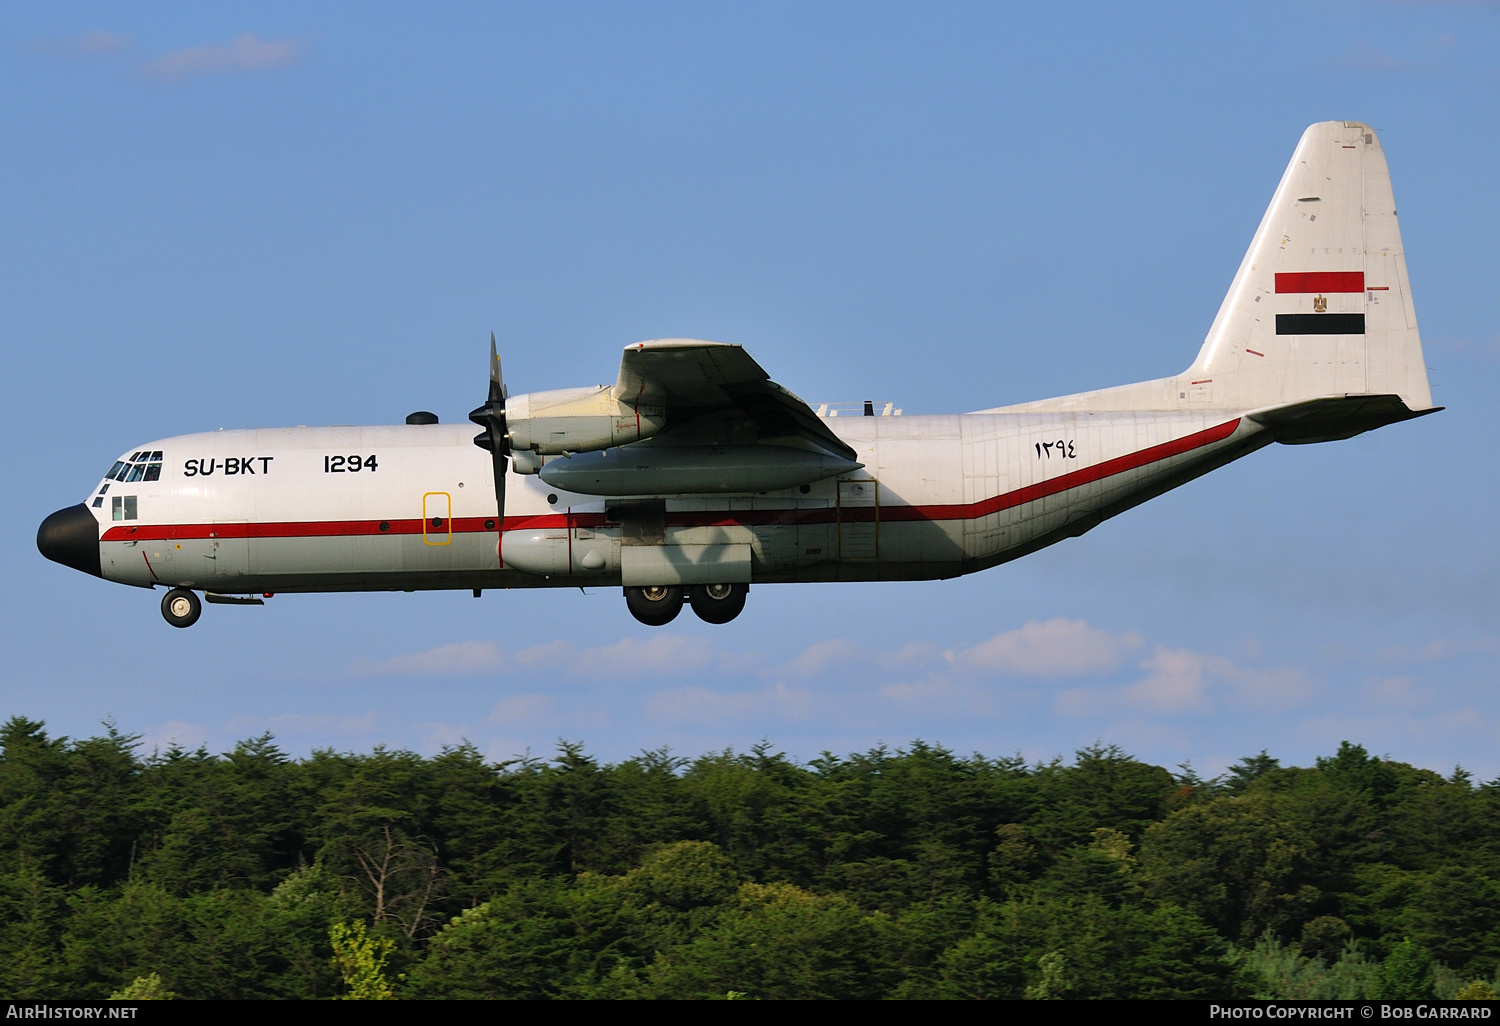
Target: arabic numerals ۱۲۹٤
{"points": [[1064, 449]]}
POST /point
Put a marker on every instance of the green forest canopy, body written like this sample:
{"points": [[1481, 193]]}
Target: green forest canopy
{"points": [[890, 873]]}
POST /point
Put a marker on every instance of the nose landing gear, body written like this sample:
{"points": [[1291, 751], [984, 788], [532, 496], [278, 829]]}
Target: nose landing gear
{"points": [[181, 607], [659, 605]]}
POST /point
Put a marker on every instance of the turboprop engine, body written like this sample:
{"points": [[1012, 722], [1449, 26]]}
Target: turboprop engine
{"points": [[568, 420]]}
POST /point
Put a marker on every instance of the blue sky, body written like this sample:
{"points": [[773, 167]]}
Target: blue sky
{"points": [[298, 214]]}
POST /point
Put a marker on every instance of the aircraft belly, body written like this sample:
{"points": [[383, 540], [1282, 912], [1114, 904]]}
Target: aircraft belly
{"points": [[335, 554]]}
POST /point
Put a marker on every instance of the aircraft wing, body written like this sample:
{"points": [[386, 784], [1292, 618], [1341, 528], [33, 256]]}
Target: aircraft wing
{"points": [[690, 378]]}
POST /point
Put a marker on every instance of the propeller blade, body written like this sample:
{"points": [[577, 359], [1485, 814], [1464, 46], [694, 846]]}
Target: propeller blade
{"points": [[497, 386], [500, 469], [491, 417]]}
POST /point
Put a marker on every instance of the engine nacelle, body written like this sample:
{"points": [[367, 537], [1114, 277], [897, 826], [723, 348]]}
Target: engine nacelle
{"points": [[693, 469], [577, 420]]}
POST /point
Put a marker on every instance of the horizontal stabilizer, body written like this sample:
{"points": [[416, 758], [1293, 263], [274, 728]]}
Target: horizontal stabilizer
{"points": [[1334, 417]]}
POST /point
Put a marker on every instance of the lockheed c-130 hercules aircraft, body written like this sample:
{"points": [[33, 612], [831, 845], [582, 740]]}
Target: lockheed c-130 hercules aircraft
{"points": [[694, 474]]}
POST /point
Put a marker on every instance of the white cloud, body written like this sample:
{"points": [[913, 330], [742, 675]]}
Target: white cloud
{"points": [[1484, 348], [1438, 649], [173, 732], [1449, 731], [1275, 688], [822, 655], [659, 654], [246, 53], [702, 705], [837, 658], [507, 749], [915, 676], [1176, 681], [462, 659], [89, 44], [1055, 648], [1180, 681], [1087, 701], [523, 710], [940, 695], [436, 736], [1364, 58], [300, 723], [1396, 691]]}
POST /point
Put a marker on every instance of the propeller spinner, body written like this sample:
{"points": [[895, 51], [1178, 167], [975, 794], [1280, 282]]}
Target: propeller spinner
{"points": [[494, 437]]}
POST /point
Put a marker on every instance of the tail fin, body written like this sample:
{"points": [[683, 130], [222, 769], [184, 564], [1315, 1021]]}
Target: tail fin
{"points": [[1317, 336], [1321, 305]]}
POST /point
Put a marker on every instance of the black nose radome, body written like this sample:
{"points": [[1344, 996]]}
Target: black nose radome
{"points": [[71, 537]]}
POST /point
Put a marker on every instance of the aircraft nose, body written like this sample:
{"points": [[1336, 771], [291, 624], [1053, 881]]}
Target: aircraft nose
{"points": [[71, 537]]}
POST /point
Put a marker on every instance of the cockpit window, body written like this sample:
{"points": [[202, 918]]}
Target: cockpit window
{"points": [[123, 507], [141, 466]]}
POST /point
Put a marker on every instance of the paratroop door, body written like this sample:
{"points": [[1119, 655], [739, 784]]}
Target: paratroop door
{"points": [[859, 519]]}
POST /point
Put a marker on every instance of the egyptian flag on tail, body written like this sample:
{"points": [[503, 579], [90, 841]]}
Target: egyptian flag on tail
{"points": [[1320, 321]]}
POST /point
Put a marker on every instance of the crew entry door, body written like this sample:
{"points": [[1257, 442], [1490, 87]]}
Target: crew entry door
{"points": [[229, 549]]}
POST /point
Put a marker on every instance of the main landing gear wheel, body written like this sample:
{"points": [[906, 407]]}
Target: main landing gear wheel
{"points": [[181, 607], [718, 603], [654, 606]]}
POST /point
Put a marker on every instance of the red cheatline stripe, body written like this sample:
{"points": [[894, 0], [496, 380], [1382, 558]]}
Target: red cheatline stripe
{"points": [[1321, 281], [337, 528], [703, 518]]}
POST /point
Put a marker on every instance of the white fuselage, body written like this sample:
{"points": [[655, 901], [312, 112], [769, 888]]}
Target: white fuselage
{"points": [[286, 510]]}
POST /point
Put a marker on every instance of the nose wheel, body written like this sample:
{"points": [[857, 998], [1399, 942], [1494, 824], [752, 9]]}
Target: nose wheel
{"points": [[181, 607]]}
